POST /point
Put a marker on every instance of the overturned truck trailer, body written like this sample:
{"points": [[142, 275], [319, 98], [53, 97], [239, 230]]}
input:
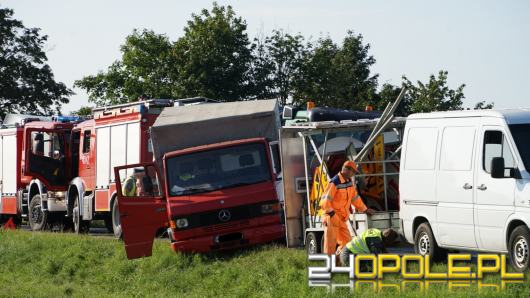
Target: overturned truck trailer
{"points": [[214, 183]]}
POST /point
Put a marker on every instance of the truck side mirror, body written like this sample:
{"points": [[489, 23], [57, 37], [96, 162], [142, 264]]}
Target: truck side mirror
{"points": [[497, 168]]}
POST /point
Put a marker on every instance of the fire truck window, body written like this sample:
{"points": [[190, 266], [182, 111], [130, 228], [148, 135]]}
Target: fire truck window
{"points": [[42, 144], [58, 146], [47, 156], [86, 141]]}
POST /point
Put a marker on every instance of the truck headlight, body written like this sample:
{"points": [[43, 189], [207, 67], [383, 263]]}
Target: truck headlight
{"points": [[181, 223], [270, 208]]}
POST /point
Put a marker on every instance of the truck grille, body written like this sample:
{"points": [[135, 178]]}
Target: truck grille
{"points": [[226, 226], [214, 220]]}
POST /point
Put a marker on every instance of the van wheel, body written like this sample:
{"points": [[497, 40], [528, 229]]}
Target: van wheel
{"points": [[425, 244], [116, 225], [519, 248], [37, 218], [313, 243], [80, 226]]}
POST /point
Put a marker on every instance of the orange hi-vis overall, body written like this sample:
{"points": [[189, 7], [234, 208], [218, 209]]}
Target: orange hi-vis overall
{"points": [[339, 195]]}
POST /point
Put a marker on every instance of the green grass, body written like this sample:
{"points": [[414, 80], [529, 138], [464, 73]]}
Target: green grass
{"points": [[54, 265]]}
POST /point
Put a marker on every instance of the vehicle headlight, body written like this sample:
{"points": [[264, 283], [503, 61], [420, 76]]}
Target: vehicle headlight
{"points": [[181, 223], [270, 208]]}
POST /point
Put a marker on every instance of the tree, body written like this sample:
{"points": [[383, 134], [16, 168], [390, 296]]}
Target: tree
{"points": [[213, 58], [357, 86], [262, 70], [338, 76], [316, 80], [27, 84], [389, 94], [83, 111], [482, 105], [286, 53], [435, 95], [145, 68]]}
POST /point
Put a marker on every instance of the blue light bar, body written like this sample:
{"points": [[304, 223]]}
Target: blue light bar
{"points": [[65, 119]]}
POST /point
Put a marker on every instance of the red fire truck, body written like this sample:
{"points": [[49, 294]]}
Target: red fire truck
{"points": [[35, 168], [213, 182], [116, 135], [76, 184]]}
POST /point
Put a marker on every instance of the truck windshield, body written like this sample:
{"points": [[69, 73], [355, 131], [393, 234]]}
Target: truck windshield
{"points": [[217, 169], [521, 136]]}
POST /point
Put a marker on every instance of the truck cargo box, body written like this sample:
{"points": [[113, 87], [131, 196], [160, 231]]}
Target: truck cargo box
{"points": [[183, 127]]}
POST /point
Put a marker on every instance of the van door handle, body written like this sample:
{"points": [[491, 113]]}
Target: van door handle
{"points": [[482, 187], [468, 186]]}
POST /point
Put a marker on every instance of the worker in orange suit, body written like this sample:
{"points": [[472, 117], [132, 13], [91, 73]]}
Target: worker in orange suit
{"points": [[339, 195]]}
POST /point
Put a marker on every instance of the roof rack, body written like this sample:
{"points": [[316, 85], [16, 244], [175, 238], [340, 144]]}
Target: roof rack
{"points": [[153, 103], [148, 103]]}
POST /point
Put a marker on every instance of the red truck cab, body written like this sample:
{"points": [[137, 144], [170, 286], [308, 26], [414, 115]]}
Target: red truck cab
{"points": [[212, 197]]}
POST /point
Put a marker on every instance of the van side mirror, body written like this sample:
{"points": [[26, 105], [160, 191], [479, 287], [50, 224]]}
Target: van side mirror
{"points": [[497, 168]]}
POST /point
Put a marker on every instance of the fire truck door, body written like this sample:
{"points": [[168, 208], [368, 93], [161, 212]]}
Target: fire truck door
{"points": [[142, 207]]}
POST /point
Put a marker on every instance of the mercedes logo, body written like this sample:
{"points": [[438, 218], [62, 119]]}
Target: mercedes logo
{"points": [[224, 215]]}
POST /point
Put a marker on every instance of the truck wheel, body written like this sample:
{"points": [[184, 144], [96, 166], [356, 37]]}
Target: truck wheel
{"points": [[313, 243], [425, 244], [116, 225], [80, 226], [518, 247], [37, 218]]}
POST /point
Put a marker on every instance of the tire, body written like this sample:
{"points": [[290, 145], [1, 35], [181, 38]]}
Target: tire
{"points": [[313, 243], [518, 248], [425, 244], [37, 218], [80, 226], [115, 215]]}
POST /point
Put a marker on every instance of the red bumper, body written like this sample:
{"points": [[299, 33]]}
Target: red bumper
{"points": [[248, 237]]}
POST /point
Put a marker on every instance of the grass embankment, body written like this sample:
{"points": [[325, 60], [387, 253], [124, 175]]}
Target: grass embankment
{"points": [[52, 265]]}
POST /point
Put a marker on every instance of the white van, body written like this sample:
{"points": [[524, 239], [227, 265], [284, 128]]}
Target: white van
{"points": [[465, 183]]}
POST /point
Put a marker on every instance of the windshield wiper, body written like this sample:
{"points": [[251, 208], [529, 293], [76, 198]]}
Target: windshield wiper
{"points": [[244, 183], [192, 190]]}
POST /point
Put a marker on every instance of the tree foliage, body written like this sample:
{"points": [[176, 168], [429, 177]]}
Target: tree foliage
{"points": [[83, 111], [213, 58], [145, 68], [286, 54], [482, 105], [338, 76], [434, 95], [27, 84]]}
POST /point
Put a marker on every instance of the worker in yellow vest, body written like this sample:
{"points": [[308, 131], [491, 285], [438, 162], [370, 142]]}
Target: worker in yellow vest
{"points": [[371, 241], [130, 188]]}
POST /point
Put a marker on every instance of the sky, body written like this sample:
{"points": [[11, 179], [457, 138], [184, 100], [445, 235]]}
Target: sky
{"points": [[483, 44]]}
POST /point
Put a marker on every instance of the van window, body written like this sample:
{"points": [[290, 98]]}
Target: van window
{"points": [[496, 145], [457, 148], [521, 136], [421, 148], [86, 141]]}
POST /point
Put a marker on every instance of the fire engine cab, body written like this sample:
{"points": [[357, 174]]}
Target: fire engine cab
{"points": [[35, 168]]}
